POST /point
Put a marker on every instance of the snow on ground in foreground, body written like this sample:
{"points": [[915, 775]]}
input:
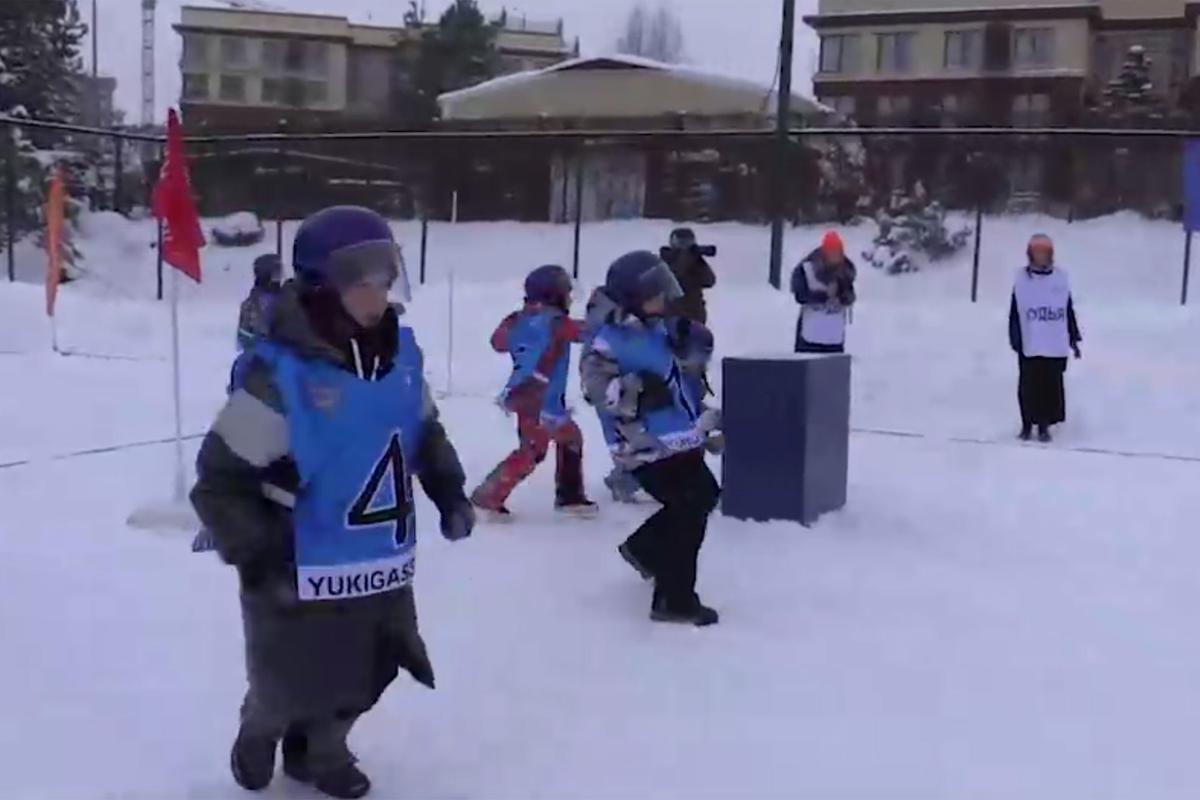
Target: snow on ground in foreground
{"points": [[983, 620]]}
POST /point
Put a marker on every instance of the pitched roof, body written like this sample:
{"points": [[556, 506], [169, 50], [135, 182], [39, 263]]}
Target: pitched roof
{"points": [[583, 80]]}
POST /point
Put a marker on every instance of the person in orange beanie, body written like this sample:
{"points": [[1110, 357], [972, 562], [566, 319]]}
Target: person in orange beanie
{"points": [[823, 284]]}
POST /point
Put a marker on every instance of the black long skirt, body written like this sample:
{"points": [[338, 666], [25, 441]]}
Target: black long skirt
{"points": [[1040, 391]]}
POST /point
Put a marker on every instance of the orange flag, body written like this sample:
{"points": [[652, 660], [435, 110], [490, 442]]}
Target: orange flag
{"points": [[174, 205], [55, 207]]}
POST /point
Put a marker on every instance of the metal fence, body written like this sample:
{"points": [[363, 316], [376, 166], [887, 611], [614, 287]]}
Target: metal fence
{"points": [[575, 178]]}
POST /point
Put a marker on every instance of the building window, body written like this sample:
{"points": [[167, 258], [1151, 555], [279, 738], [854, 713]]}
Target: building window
{"points": [[893, 108], [296, 56], [845, 105], [195, 87], [895, 52], [1031, 110], [839, 54], [195, 51], [963, 50], [233, 52], [273, 54], [1033, 47], [272, 91], [316, 92], [316, 59], [233, 88]]}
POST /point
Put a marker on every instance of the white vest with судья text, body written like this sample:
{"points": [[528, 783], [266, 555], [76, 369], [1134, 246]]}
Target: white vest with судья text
{"points": [[822, 323], [1042, 305]]}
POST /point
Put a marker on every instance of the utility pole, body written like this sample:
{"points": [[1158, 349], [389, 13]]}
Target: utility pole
{"points": [[95, 98], [779, 177]]}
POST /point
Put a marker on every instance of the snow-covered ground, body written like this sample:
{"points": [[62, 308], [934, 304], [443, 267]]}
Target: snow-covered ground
{"points": [[984, 620]]}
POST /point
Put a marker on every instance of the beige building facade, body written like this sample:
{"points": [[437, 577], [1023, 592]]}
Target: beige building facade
{"points": [[995, 62], [258, 67]]}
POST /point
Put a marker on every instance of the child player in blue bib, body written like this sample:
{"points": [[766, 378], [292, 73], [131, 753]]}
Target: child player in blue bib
{"points": [[660, 430], [538, 338], [305, 483]]}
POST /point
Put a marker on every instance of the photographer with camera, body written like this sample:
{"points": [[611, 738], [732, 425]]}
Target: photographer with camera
{"points": [[687, 261]]}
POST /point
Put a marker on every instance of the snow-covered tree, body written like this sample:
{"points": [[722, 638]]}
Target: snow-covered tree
{"points": [[652, 34], [913, 232], [39, 68], [1130, 94]]}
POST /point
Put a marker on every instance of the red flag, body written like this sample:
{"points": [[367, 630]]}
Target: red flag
{"points": [[174, 205], [55, 201]]}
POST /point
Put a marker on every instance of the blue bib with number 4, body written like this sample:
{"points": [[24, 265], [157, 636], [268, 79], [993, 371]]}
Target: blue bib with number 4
{"points": [[354, 443]]}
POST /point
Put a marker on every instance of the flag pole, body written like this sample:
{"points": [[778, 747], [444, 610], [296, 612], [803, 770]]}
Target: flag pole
{"points": [[179, 471]]}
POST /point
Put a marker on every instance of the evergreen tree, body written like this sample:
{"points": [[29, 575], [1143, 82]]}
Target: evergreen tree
{"points": [[1130, 95], [913, 231], [39, 69], [459, 52]]}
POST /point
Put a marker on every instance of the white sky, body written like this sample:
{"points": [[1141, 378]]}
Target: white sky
{"points": [[739, 37]]}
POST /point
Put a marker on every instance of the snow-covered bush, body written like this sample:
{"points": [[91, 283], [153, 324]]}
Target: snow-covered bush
{"points": [[239, 230], [912, 233]]}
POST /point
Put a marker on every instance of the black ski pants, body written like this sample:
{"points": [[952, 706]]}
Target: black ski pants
{"points": [[668, 542]]}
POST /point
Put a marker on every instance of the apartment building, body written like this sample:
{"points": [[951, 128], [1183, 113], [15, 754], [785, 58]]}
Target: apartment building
{"points": [[248, 68], [1025, 63]]}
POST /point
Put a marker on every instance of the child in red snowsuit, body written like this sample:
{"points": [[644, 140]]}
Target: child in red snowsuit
{"points": [[539, 338]]}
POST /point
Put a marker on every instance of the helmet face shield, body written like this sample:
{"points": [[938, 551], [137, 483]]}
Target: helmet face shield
{"points": [[660, 282], [375, 263]]}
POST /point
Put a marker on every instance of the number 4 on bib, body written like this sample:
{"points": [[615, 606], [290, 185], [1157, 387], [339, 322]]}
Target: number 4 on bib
{"points": [[384, 499]]}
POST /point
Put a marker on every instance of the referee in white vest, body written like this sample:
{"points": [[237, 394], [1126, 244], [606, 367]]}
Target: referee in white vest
{"points": [[823, 285], [1043, 332]]}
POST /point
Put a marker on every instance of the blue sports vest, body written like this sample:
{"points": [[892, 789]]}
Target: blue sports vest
{"points": [[354, 443], [531, 334], [647, 350]]}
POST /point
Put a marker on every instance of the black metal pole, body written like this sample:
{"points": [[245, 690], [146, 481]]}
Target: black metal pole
{"points": [[95, 94], [1187, 268], [978, 242], [118, 172], [578, 213], [160, 259], [162, 157], [279, 192], [566, 184], [10, 199], [424, 240], [783, 115]]}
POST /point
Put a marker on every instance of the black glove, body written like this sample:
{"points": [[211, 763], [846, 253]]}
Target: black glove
{"points": [[1078, 352]]}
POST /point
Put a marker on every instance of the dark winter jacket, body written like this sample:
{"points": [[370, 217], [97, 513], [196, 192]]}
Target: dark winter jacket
{"points": [[694, 275], [1014, 325], [816, 296], [308, 660], [254, 315]]}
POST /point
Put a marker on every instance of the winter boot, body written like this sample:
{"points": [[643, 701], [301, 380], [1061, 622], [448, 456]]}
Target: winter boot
{"points": [[1044, 434], [489, 510], [632, 560], [623, 486], [576, 506], [252, 762], [1026, 432], [295, 757], [346, 782], [689, 613]]}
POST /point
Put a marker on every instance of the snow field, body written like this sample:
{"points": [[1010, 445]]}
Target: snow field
{"points": [[983, 620]]}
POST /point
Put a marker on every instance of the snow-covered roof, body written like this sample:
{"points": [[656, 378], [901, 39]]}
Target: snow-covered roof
{"points": [[562, 90]]}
